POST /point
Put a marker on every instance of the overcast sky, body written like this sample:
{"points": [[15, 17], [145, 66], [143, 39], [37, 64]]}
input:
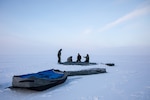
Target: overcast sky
{"points": [[73, 24]]}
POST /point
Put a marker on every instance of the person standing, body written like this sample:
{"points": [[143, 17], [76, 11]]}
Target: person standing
{"points": [[59, 56], [79, 58]]}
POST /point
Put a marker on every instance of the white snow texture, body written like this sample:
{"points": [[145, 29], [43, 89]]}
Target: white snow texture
{"points": [[128, 80]]}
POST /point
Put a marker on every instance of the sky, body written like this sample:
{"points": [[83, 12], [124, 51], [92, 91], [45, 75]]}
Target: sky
{"points": [[38, 26]]}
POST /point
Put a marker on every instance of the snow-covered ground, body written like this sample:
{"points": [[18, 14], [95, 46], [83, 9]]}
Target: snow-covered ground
{"points": [[128, 80]]}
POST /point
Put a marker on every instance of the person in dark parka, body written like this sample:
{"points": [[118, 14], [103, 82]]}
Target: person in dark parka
{"points": [[59, 56], [79, 58], [87, 58], [69, 59]]}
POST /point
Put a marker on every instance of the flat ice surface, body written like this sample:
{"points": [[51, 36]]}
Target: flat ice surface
{"points": [[128, 80]]}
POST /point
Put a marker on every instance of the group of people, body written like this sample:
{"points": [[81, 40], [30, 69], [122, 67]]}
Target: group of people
{"points": [[69, 59]]}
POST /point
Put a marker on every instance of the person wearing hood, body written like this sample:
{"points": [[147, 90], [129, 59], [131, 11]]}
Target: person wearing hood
{"points": [[87, 58]]}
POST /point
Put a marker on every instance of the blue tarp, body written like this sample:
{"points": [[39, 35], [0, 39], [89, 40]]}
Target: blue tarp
{"points": [[48, 74]]}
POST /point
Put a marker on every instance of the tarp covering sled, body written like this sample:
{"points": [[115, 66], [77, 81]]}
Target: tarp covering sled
{"points": [[78, 63], [49, 78]]}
